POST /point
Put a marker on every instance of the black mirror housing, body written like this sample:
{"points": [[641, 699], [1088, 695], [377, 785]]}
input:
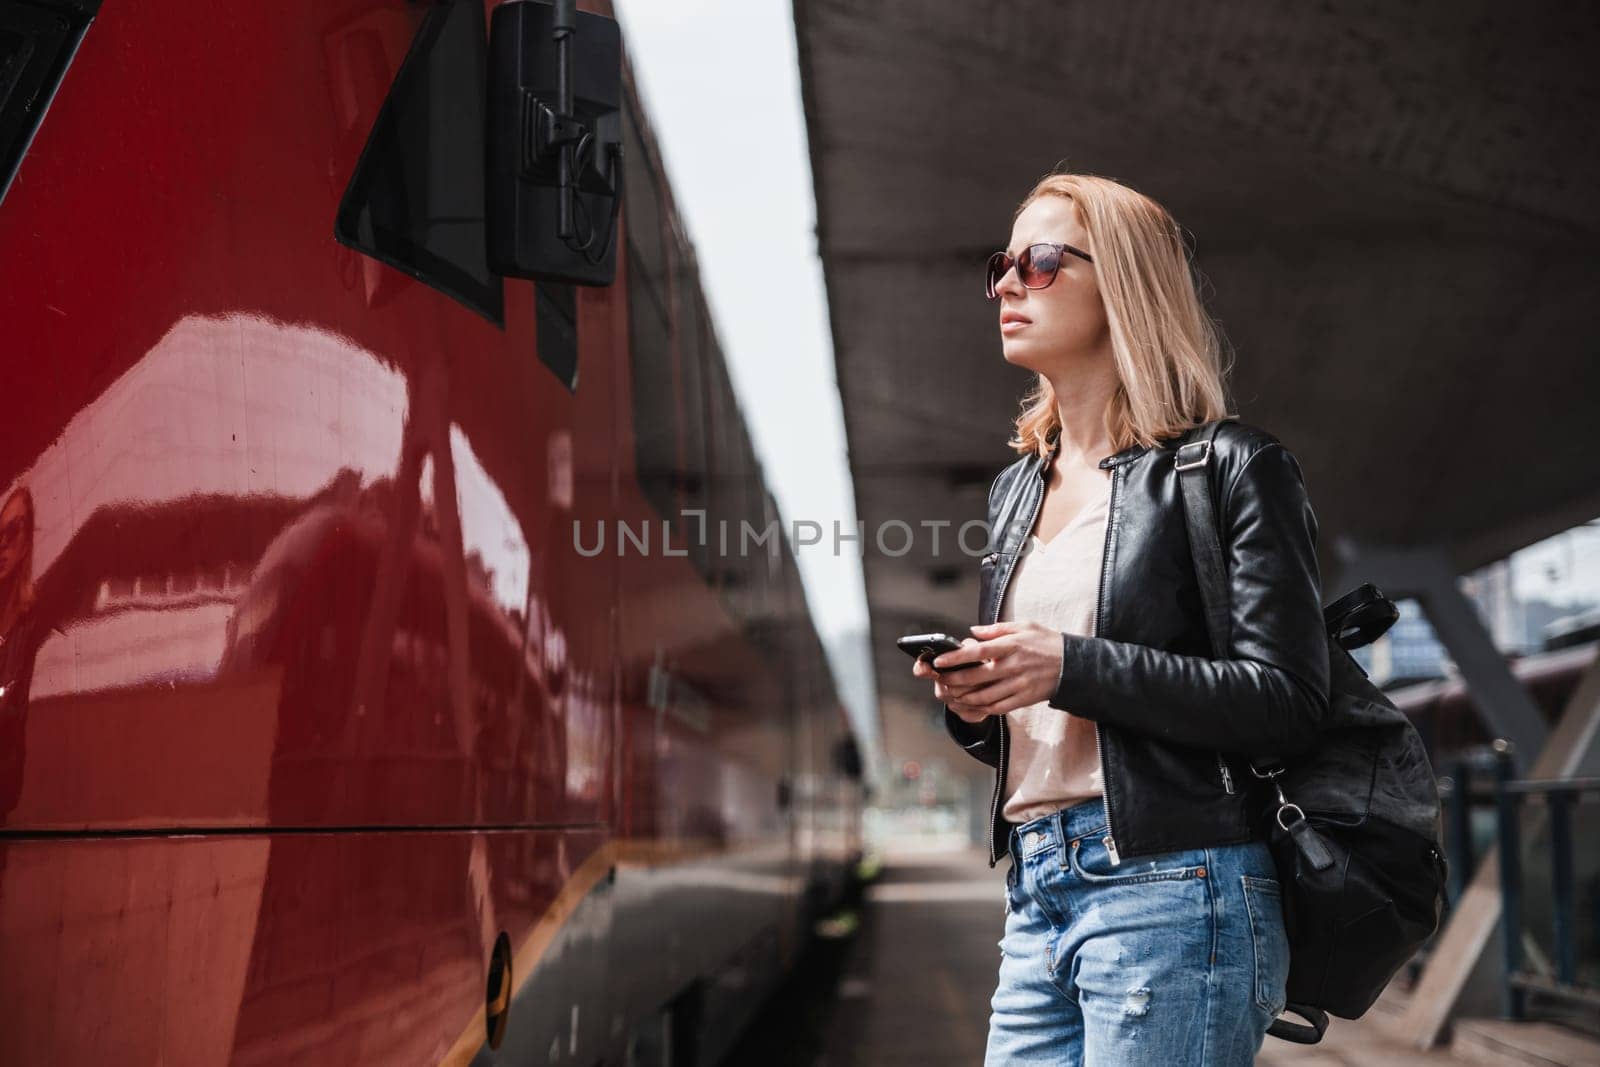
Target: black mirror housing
{"points": [[555, 143]]}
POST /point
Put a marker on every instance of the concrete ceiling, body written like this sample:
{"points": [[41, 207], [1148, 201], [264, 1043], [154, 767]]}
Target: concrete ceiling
{"points": [[1394, 207]]}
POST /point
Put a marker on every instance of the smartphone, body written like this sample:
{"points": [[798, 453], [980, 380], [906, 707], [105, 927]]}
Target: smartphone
{"points": [[915, 645]]}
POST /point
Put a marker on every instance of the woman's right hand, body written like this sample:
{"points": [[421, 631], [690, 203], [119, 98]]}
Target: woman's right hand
{"points": [[921, 668]]}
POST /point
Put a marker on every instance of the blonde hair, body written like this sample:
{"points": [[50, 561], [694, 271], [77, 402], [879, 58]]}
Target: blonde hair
{"points": [[1168, 353]]}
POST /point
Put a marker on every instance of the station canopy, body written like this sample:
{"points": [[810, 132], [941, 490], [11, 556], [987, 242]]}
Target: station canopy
{"points": [[1393, 208]]}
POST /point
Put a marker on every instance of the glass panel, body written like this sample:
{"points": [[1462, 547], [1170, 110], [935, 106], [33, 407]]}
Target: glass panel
{"points": [[35, 47], [557, 310], [416, 199]]}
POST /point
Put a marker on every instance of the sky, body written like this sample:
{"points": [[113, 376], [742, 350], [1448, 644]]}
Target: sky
{"points": [[720, 84], [1564, 569]]}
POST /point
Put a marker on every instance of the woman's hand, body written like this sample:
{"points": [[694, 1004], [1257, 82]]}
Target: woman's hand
{"points": [[1019, 663]]}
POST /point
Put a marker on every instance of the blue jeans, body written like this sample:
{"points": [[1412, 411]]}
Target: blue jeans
{"points": [[1162, 960]]}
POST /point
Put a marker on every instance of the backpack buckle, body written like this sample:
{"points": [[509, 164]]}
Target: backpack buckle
{"points": [[1205, 454]]}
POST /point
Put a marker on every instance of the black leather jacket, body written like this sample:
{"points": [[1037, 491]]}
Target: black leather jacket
{"points": [[1173, 726]]}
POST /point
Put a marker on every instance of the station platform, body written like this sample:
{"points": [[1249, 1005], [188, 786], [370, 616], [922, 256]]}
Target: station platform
{"points": [[911, 984]]}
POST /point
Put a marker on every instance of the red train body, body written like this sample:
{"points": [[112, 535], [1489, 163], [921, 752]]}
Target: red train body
{"points": [[312, 686]]}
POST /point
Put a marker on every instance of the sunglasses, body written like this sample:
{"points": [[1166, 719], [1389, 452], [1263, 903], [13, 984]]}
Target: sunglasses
{"points": [[1036, 266]]}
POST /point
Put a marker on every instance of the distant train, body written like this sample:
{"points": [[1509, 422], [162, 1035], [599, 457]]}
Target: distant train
{"points": [[326, 736]]}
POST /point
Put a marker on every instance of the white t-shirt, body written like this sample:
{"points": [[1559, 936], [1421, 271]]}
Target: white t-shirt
{"points": [[1052, 761]]}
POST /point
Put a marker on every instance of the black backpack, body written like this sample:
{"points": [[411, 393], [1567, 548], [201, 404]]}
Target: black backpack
{"points": [[1354, 824]]}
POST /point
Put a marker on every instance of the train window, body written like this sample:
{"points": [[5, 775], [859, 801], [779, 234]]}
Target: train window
{"points": [[694, 329], [37, 41], [736, 502], [675, 409], [641, 196], [722, 521], [557, 312], [654, 398], [655, 393], [416, 199]]}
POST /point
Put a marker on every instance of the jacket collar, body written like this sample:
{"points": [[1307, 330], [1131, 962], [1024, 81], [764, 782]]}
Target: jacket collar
{"points": [[1131, 452], [1036, 466]]}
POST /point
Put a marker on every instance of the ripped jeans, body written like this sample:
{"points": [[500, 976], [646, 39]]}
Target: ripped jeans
{"points": [[1162, 961]]}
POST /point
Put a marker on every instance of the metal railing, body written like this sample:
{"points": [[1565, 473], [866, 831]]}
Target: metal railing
{"points": [[1468, 787], [1559, 796]]}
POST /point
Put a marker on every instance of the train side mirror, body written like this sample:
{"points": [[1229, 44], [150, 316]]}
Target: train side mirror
{"points": [[555, 142]]}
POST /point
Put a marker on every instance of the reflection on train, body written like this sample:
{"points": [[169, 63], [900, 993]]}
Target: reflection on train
{"points": [[320, 741]]}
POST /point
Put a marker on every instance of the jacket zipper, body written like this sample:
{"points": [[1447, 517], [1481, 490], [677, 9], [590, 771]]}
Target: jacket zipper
{"points": [[994, 807], [1000, 769], [1100, 598], [1227, 778]]}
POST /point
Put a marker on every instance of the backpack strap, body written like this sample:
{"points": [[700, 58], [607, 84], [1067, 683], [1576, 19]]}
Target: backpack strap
{"points": [[1299, 1032], [1205, 545], [1200, 515]]}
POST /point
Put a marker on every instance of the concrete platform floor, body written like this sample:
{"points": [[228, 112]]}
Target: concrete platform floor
{"points": [[912, 985]]}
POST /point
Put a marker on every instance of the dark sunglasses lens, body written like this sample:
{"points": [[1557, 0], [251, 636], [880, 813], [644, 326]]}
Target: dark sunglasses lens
{"points": [[1038, 266]]}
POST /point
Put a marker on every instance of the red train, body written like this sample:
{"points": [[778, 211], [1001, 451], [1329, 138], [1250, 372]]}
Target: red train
{"points": [[325, 735]]}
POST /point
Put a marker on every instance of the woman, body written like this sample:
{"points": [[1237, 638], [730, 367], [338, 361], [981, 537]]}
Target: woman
{"points": [[1143, 910]]}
